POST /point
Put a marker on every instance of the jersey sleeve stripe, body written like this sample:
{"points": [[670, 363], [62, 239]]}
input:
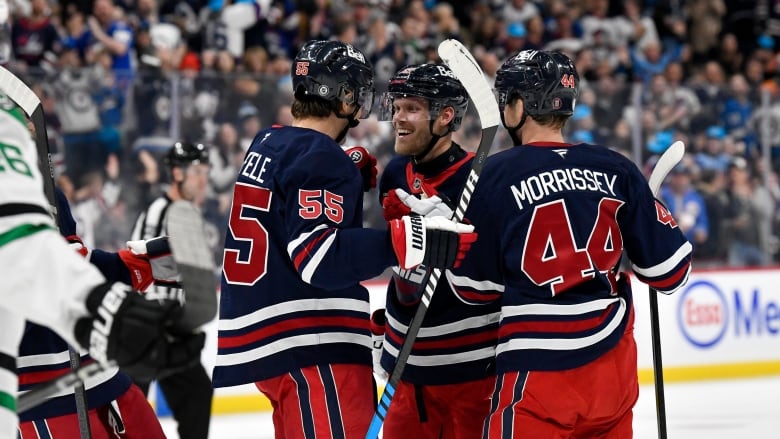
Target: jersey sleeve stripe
{"points": [[289, 307], [436, 360], [564, 344], [555, 310], [322, 245], [555, 327], [486, 337], [292, 343], [299, 324], [668, 265]]}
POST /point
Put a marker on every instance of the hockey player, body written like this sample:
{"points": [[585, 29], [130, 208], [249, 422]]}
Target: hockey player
{"points": [[115, 405], [188, 392], [554, 221], [294, 319], [445, 389], [72, 297]]}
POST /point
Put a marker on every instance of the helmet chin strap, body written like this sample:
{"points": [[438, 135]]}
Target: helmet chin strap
{"points": [[418, 158], [352, 122], [513, 130]]}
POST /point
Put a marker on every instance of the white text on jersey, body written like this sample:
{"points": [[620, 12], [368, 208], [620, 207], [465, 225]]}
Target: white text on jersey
{"points": [[536, 187], [255, 166]]}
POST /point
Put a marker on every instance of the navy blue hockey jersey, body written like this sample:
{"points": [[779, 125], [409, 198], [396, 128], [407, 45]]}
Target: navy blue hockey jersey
{"points": [[295, 252], [457, 340], [43, 355], [554, 221]]}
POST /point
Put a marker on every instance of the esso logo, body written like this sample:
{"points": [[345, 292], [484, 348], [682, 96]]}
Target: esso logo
{"points": [[702, 314]]}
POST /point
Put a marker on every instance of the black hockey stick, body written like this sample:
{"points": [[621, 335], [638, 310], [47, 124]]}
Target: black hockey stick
{"points": [[20, 93], [468, 72], [195, 263], [666, 162]]}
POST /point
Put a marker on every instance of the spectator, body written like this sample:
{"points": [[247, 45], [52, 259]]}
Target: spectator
{"points": [[35, 41], [519, 11], [749, 217], [649, 60], [706, 17], [738, 109], [115, 35], [730, 57], [714, 155], [712, 186], [686, 205]]}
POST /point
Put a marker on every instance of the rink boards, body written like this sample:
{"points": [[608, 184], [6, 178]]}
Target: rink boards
{"points": [[722, 324]]}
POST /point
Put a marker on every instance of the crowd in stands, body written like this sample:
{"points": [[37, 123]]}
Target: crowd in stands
{"points": [[120, 80]]}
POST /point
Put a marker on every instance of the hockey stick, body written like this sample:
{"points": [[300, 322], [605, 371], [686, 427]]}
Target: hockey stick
{"points": [[20, 93], [670, 158], [196, 267], [468, 72]]}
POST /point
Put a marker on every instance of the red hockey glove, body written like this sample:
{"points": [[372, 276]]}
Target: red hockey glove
{"points": [[77, 244], [366, 163], [125, 327], [150, 262], [435, 242], [398, 203]]}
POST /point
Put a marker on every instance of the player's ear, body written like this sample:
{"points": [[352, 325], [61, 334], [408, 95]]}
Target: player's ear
{"points": [[446, 115]]}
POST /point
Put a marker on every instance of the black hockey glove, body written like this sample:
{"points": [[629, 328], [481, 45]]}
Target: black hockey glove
{"points": [[135, 333], [436, 242]]}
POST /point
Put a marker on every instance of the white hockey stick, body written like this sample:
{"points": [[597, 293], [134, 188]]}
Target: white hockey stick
{"points": [[468, 72], [670, 158], [20, 93]]}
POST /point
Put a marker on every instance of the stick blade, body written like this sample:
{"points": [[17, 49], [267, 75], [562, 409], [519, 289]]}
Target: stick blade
{"points": [[668, 160], [18, 91], [469, 73], [195, 263]]}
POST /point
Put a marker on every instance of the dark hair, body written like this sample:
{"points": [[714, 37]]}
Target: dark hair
{"points": [[310, 106]]}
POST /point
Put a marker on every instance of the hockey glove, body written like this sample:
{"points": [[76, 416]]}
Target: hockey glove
{"points": [[377, 340], [77, 244], [434, 242], [134, 332], [398, 203], [150, 262], [366, 164]]}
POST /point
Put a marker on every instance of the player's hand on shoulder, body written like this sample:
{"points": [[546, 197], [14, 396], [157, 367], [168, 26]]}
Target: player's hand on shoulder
{"points": [[136, 333], [150, 261], [436, 242], [366, 164], [398, 203]]}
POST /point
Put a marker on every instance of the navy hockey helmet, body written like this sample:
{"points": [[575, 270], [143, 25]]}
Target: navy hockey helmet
{"points": [[334, 71], [434, 82], [186, 153], [547, 82]]}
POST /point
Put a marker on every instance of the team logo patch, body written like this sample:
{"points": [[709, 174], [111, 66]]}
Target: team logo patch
{"points": [[556, 103], [356, 156]]}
